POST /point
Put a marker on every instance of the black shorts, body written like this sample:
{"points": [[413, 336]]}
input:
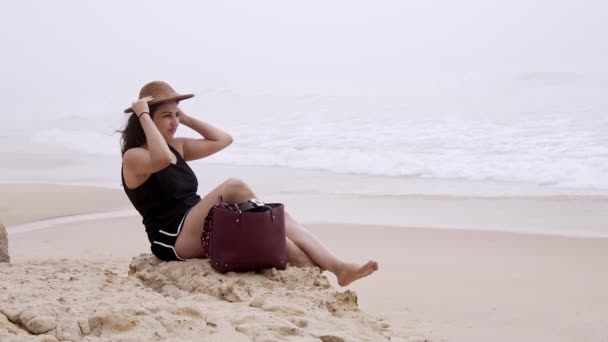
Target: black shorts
{"points": [[162, 242]]}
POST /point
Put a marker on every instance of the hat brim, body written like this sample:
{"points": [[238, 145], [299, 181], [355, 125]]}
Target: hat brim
{"points": [[172, 98]]}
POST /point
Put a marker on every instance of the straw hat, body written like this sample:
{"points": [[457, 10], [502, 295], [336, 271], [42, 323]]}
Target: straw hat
{"points": [[160, 92]]}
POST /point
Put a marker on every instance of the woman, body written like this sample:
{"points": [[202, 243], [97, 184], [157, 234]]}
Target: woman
{"points": [[162, 187]]}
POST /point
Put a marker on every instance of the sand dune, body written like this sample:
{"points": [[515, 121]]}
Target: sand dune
{"points": [[178, 301]]}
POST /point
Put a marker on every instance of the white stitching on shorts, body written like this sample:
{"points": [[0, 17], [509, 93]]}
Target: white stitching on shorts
{"points": [[179, 228], [169, 246]]}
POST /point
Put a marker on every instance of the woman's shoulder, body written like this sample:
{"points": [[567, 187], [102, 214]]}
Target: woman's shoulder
{"points": [[133, 153], [136, 155]]}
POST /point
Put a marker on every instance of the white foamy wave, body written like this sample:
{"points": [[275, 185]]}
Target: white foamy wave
{"points": [[87, 142], [571, 173], [547, 129]]}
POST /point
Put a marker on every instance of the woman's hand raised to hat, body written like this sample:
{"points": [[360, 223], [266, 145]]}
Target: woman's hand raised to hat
{"points": [[141, 105]]}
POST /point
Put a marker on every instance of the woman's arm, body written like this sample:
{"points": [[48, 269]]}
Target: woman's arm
{"points": [[158, 155], [214, 140]]}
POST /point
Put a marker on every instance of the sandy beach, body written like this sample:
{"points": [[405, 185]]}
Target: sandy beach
{"points": [[461, 145], [434, 284]]}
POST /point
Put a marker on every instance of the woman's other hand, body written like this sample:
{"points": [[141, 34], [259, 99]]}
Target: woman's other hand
{"points": [[184, 119]]}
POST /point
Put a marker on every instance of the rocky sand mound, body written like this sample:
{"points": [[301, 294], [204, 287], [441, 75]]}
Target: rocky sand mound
{"points": [[68, 300]]}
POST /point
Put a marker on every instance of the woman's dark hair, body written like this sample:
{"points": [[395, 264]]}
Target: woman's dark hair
{"points": [[133, 134]]}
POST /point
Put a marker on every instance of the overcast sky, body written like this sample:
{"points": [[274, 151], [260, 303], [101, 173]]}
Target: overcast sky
{"points": [[99, 53]]}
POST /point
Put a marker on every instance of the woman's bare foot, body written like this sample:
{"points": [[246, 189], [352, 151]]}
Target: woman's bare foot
{"points": [[352, 272]]}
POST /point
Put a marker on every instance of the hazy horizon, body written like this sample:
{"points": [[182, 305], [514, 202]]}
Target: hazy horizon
{"points": [[90, 56]]}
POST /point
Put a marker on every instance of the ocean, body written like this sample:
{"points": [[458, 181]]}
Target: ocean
{"points": [[547, 129]]}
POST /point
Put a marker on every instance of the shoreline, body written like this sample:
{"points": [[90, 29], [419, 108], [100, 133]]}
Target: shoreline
{"points": [[89, 217], [550, 194], [104, 171], [559, 215]]}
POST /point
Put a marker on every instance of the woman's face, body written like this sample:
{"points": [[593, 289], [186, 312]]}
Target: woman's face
{"points": [[166, 119]]}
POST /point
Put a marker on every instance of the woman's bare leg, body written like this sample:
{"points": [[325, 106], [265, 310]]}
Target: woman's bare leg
{"points": [[302, 246], [188, 244], [318, 253], [296, 256]]}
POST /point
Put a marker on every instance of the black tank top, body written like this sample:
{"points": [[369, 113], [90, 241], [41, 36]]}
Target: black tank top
{"points": [[165, 197]]}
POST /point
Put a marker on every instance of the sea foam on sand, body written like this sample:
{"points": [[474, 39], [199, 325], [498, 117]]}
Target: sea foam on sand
{"points": [[72, 300]]}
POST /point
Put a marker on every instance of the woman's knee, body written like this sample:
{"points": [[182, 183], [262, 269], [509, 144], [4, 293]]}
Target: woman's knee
{"points": [[236, 185], [237, 188]]}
